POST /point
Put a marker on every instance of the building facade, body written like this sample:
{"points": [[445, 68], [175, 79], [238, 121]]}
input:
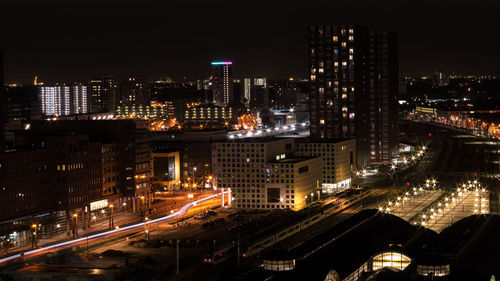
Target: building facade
{"points": [[166, 170], [222, 83], [338, 160], [263, 173], [354, 83], [103, 95], [135, 90], [64, 100]]}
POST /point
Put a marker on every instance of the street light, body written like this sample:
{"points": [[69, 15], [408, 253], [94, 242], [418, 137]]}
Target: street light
{"points": [[111, 219], [33, 237], [142, 203], [75, 226]]}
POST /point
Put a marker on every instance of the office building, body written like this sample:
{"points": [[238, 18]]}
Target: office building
{"points": [[208, 113], [256, 93], [166, 170], [64, 100], [153, 111], [195, 152], [22, 104], [264, 173], [103, 95], [354, 83], [222, 83], [135, 90], [338, 156]]}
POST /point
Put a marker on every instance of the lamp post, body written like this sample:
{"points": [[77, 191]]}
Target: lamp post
{"points": [[75, 225], [194, 181], [142, 207], [33, 235], [146, 229], [111, 219]]}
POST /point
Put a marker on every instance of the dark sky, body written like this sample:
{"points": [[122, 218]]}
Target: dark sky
{"points": [[76, 40]]}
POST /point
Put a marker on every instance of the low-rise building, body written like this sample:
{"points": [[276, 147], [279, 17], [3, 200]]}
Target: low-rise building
{"points": [[166, 170], [263, 173], [338, 157]]}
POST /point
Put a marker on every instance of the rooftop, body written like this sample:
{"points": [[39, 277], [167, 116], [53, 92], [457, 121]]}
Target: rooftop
{"points": [[320, 140], [292, 160]]}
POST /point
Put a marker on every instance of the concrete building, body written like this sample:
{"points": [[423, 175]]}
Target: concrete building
{"points": [[110, 153], [64, 100], [203, 114], [135, 90], [103, 95], [222, 83], [195, 152], [166, 170], [354, 85], [263, 173], [155, 110], [338, 160]]}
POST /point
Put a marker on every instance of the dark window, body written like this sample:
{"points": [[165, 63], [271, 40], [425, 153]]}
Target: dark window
{"points": [[273, 195], [303, 169]]}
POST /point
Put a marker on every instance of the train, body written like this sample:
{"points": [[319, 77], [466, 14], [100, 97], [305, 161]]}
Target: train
{"points": [[326, 211]]}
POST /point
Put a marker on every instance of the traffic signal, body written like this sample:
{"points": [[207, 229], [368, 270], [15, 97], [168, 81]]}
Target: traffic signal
{"points": [[430, 134]]}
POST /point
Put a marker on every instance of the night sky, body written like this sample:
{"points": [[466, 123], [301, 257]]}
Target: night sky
{"points": [[64, 41]]}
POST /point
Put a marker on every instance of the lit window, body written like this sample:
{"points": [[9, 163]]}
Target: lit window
{"points": [[343, 44], [336, 64], [321, 70], [335, 38], [344, 96], [351, 51], [322, 121], [313, 77], [351, 31], [351, 38], [344, 63]]}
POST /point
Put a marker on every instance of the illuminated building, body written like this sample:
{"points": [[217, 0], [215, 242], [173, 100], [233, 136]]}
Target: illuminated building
{"points": [[195, 148], [134, 90], [64, 100], [157, 110], [263, 173], [249, 83], [208, 113], [354, 84], [166, 170], [222, 83], [338, 156], [103, 95]]}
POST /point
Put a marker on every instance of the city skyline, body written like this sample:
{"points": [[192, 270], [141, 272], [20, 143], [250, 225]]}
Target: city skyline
{"points": [[62, 42]]}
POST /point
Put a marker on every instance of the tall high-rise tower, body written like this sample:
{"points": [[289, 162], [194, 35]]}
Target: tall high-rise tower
{"points": [[103, 95], [354, 84], [2, 115], [222, 82]]}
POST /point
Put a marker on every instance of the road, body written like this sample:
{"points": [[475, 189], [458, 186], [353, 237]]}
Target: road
{"points": [[105, 235]]}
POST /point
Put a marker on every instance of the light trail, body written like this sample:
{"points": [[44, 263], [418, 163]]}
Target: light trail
{"points": [[179, 212]]}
